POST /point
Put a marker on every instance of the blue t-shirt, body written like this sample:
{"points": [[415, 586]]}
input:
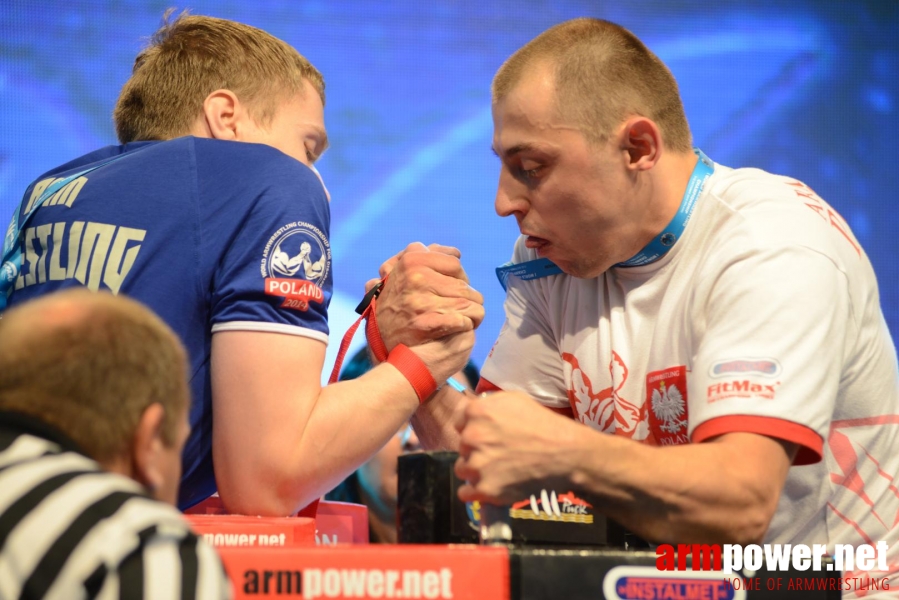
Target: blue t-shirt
{"points": [[211, 235]]}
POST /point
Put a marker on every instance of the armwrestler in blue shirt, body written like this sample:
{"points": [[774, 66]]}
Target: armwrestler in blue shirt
{"points": [[211, 215]]}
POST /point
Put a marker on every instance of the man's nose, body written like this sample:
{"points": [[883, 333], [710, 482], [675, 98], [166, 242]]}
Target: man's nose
{"points": [[510, 197]]}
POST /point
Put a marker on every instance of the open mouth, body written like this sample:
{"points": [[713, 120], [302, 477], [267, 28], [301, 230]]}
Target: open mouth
{"points": [[536, 243]]}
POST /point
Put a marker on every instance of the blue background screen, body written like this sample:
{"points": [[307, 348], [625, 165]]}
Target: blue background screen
{"points": [[800, 88]]}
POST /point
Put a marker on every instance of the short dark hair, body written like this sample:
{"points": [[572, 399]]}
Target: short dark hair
{"points": [[190, 57], [604, 74], [89, 364]]}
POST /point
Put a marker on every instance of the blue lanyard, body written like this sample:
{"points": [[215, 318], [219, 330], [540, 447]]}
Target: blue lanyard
{"points": [[12, 243], [654, 250], [663, 242], [532, 269]]}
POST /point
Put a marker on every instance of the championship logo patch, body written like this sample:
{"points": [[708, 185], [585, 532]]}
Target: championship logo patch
{"points": [[295, 262], [666, 396]]}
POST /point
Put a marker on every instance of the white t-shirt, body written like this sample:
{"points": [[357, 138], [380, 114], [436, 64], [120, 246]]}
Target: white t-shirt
{"points": [[764, 317]]}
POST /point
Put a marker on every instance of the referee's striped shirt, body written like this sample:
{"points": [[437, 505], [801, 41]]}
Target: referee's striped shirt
{"points": [[71, 530]]}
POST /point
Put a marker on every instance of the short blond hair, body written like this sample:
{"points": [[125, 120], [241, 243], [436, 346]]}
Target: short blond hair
{"points": [[604, 74], [190, 57], [89, 364]]}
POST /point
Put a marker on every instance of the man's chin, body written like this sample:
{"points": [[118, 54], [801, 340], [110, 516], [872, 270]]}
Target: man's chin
{"points": [[581, 271]]}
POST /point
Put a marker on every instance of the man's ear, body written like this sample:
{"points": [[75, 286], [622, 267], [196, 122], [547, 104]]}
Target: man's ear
{"points": [[147, 448], [223, 116], [641, 140]]}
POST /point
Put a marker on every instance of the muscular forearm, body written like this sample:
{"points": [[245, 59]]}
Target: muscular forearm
{"points": [[280, 440], [722, 491], [351, 421], [315, 443], [433, 421]]}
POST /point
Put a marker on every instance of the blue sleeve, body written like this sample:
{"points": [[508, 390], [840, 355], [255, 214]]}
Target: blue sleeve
{"points": [[265, 237]]}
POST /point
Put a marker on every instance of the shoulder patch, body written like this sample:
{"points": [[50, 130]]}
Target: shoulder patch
{"points": [[295, 262]]}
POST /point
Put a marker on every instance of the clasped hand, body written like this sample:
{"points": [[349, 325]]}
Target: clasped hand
{"points": [[510, 447], [428, 305]]}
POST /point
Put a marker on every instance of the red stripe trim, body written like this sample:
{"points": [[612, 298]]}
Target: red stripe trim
{"points": [[811, 445], [486, 386], [863, 421]]}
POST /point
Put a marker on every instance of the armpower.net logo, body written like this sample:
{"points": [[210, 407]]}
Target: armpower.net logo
{"points": [[729, 571], [312, 583]]}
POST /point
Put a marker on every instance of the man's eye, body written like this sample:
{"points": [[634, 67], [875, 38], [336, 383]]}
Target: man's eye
{"points": [[529, 173]]}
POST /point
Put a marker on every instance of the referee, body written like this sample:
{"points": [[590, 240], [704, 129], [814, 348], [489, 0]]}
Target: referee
{"points": [[93, 417]]}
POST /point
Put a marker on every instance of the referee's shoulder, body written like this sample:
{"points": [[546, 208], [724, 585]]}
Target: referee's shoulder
{"points": [[79, 530], [156, 536]]}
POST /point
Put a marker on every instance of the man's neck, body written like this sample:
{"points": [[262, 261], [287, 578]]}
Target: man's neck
{"points": [[672, 175], [662, 189]]}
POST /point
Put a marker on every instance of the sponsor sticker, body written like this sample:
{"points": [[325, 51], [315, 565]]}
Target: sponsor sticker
{"points": [[666, 397], [741, 388], [549, 506], [736, 367], [295, 262], [633, 582]]}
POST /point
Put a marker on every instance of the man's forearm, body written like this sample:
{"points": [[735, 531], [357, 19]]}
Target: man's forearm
{"points": [[351, 421], [314, 444], [724, 491], [280, 440], [433, 421]]}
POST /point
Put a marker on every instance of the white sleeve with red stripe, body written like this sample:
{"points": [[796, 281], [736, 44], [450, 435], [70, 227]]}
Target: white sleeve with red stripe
{"points": [[770, 348], [525, 356]]}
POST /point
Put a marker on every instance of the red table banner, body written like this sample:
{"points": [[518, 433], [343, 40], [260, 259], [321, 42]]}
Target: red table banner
{"points": [[341, 523], [463, 572], [228, 531]]}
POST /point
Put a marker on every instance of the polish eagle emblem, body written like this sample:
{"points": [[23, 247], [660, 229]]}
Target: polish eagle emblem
{"points": [[668, 406]]}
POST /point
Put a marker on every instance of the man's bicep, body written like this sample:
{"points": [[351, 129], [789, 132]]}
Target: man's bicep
{"points": [[769, 354], [264, 387]]}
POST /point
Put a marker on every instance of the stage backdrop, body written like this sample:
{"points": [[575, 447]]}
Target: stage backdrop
{"points": [[808, 89]]}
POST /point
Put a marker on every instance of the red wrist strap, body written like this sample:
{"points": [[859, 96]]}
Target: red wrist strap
{"points": [[414, 370], [373, 334], [366, 309], [341, 352], [401, 357]]}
